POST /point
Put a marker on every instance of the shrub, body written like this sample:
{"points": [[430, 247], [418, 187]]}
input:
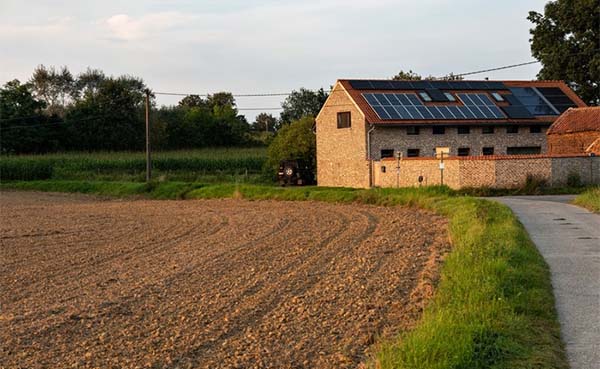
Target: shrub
{"points": [[534, 184], [294, 141], [574, 180]]}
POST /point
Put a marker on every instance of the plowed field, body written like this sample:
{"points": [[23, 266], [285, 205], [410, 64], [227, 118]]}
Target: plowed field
{"points": [[95, 283]]}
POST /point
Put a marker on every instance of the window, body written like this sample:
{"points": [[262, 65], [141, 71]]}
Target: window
{"points": [[343, 119], [412, 130], [464, 130], [497, 97], [449, 96], [412, 153], [488, 151], [535, 129], [464, 151], [425, 96], [512, 129], [488, 130], [387, 153], [528, 150], [439, 130]]}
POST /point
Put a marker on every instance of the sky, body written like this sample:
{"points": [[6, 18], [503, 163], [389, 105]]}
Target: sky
{"points": [[261, 46]]}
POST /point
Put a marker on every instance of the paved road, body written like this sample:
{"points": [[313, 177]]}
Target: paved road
{"points": [[569, 239]]}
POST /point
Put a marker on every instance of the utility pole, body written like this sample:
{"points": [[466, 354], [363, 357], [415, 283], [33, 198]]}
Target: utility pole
{"points": [[148, 153]]}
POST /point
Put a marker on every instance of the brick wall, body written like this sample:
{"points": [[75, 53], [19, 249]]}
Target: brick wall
{"points": [[495, 171], [571, 143], [341, 152], [396, 138]]}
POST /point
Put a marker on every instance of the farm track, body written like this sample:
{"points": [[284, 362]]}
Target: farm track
{"points": [[89, 282]]}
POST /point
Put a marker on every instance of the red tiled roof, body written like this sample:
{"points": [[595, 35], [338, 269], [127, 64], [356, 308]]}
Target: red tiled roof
{"points": [[577, 120], [372, 117]]}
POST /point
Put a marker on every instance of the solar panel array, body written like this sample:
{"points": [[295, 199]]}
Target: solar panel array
{"points": [[557, 98], [533, 101], [360, 84], [409, 106]]}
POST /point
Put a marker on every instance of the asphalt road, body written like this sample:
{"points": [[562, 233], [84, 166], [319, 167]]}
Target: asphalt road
{"points": [[569, 239]]}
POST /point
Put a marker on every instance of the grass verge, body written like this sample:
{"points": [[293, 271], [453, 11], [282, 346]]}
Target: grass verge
{"points": [[493, 306], [590, 199]]}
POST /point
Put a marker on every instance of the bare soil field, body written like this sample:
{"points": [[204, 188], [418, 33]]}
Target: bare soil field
{"points": [[87, 282]]}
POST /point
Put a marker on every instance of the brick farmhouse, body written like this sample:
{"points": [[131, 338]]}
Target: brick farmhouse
{"points": [[488, 133], [576, 131]]}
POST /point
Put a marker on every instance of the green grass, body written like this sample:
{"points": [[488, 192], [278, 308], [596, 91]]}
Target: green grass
{"points": [[590, 199], [211, 165], [493, 306]]}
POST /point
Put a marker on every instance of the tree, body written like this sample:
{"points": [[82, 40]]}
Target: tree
{"points": [[302, 103], [112, 120], [55, 87], [193, 101], [566, 40], [23, 127], [412, 76], [221, 99], [296, 140], [407, 76], [88, 83], [264, 122]]}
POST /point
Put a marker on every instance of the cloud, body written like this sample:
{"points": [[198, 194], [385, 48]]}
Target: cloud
{"points": [[51, 27], [124, 27]]}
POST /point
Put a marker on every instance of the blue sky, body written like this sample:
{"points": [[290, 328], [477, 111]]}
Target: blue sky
{"points": [[264, 46]]}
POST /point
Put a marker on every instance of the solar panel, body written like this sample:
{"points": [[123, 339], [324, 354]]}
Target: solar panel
{"points": [[381, 85], [533, 101], [443, 85], [557, 98], [361, 85], [436, 95], [401, 85], [409, 106], [517, 112]]}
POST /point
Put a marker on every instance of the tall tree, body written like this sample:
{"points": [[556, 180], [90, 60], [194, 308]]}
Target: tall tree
{"points": [[302, 103], [88, 83], [264, 122], [566, 40], [23, 127], [193, 101], [412, 76], [56, 87]]}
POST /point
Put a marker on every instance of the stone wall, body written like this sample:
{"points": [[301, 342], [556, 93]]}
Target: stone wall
{"points": [[341, 152], [493, 171], [396, 138]]}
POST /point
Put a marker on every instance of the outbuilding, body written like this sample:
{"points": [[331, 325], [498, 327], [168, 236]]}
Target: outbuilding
{"points": [[576, 131]]}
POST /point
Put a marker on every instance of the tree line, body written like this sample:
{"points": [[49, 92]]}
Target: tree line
{"points": [[57, 111]]}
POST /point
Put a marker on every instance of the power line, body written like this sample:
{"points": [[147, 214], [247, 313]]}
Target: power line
{"points": [[497, 68], [234, 95]]}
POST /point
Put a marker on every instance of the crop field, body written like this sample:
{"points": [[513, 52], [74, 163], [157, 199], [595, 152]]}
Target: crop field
{"points": [[207, 165], [91, 282]]}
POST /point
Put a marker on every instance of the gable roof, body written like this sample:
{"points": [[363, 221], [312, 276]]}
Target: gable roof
{"points": [[577, 120], [523, 101]]}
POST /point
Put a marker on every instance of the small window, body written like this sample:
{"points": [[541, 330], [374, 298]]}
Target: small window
{"points": [[387, 153], [487, 130], [488, 151], [343, 119], [464, 151], [439, 130], [512, 129], [535, 129], [412, 153], [425, 96], [412, 130], [528, 150], [449, 96], [497, 97], [464, 130]]}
